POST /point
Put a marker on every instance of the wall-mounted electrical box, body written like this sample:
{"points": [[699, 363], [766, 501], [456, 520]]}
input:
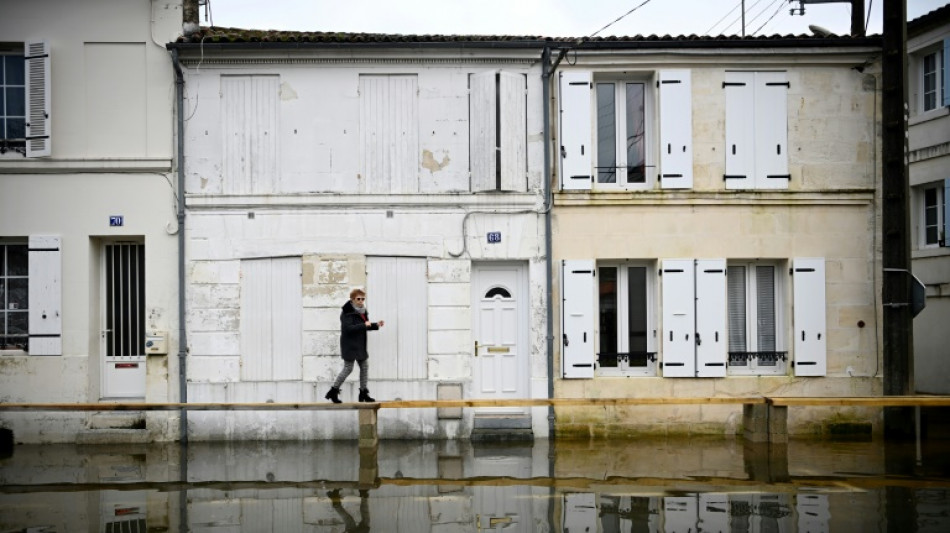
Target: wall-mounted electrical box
{"points": [[156, 343]]}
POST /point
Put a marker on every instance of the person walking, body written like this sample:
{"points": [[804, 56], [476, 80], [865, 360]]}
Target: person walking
{"points": [[354, 323]]}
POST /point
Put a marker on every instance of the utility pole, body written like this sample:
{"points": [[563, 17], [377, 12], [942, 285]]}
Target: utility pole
{"points": [[898, 315]]}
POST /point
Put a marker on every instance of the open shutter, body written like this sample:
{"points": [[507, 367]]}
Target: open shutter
{"points": [[946, 72], [577, 311], [808, 279], [711, 318], [676, 129], [679, 353], [38, 130], [740, 139], [513, 117], [771, 130], [946, 212], [45, 295], [482, 128], [576, 140]]}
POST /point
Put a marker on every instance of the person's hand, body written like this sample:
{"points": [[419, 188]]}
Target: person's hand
{"points": [[368, 323], [381, 322]]}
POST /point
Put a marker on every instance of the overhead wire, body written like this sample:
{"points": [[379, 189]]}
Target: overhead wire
{"points": [[621, 17], [762, 11], [867, 18], [781, 5], [723, 17], [739, 18]]}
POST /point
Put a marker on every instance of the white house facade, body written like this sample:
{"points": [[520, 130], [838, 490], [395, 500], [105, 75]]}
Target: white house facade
{"points": [[717, 229], [928, 68], [412, 169], [88, 261]]}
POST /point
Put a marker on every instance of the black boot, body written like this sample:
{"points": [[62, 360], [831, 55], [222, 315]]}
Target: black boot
{"points": [[364, 396], [334, 395]]}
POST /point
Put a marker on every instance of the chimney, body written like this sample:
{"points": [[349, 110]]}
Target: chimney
{"points": [[189, 18]]}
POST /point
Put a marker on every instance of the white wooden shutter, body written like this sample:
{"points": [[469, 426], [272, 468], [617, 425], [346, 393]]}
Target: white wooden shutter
{"points": [[45, 295], [576, 140], [513, 115], [946, 72], [482, 128], [577, 310], [740, 132], [714, 512], [680, 513], [946, 211], [271, 320], [771, 130], [580, 512], [287, 318], [38, 98], [808, 281], [676, 129], [397, 291], [679, 353], [711, 318]]}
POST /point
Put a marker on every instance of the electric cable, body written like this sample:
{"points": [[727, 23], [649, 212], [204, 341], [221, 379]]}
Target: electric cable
{"points": [[770, 19], [645, 2], [723, 18], [867, 18], [739, 18]]}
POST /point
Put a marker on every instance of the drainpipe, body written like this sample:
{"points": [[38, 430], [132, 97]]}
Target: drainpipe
{"points": [[182, 341], [547, 70]]}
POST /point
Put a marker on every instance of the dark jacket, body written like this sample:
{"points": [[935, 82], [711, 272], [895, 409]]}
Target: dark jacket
{"points": [[353, 333]]}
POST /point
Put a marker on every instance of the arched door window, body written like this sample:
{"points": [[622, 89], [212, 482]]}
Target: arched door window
{"points": [[497, 291]]}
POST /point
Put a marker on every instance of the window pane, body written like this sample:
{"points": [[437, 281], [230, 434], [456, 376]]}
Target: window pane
{"points": [[765, 308], [606, 133], [930, 81], [18, 296], [17, 323], [607, 289], [15, 101], [931, 218], [637, 297], [16, 128], [17, 264], [737, 308], [14, 70], [636, 156]]}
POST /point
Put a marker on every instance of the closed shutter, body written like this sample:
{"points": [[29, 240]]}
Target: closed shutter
{"points": [[513, 145], [678, 296], [271, 320], [45, 295], [676, 129], [771, 130], [737, 309], [808, 280], [482, 128], [711, 318], [765, 308], [740, 133], [397, 294], [389, 133], [577, 341], [38, 99], [287, 323], [249, 114], [576, 140]]}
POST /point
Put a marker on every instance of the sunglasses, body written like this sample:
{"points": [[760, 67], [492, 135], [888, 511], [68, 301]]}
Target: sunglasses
{"points": [[360, 299]]}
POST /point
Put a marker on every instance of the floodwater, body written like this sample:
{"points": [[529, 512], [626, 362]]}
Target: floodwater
{"points": [[605, 486]]}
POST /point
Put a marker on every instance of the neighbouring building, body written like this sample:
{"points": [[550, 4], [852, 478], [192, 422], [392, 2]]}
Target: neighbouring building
{"points": [[928, 78], [717, 225], [408, 166], [88, 261]]}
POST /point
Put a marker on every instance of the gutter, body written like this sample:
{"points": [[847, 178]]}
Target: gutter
{"points": [[182, 340], [547, 70]]}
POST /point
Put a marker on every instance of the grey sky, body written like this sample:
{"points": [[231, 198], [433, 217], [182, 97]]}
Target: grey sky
{"points": [[543, 17]]}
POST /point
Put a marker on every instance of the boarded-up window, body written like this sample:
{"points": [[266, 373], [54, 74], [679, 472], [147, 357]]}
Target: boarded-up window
{"points": [[249, 128], [271, 319], [397, 293], [389, 136]]}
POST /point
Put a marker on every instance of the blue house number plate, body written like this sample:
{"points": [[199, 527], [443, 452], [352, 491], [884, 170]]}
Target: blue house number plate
{"points": [[494, 236], [116, 220]]}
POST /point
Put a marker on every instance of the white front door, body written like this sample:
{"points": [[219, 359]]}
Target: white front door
{"points": [[122, 339], [500, 333]]}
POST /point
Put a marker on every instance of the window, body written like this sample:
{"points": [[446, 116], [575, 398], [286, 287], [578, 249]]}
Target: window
{"points": [[498, 131], [389, 133], [625, 320], [932, 80], [625, 132], [25, 99], [755, 319], [934, 225], [14, 298], [756, 130]]}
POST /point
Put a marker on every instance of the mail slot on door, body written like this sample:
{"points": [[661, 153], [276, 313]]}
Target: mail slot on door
{"points": [[499, 349], [156, 343]]}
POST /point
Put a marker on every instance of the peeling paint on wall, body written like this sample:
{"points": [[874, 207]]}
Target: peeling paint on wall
{"points": [[430, 164], [287, 92]]}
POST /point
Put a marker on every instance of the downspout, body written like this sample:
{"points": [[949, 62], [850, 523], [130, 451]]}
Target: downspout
{"points": [[547, 70], [182, 341]]}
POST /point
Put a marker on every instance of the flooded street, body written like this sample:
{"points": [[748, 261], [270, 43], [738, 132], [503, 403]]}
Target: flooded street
{"points": [[448, 486]]}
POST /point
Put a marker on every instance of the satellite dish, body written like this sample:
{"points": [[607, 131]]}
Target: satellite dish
{"points": [[819, 31]]}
